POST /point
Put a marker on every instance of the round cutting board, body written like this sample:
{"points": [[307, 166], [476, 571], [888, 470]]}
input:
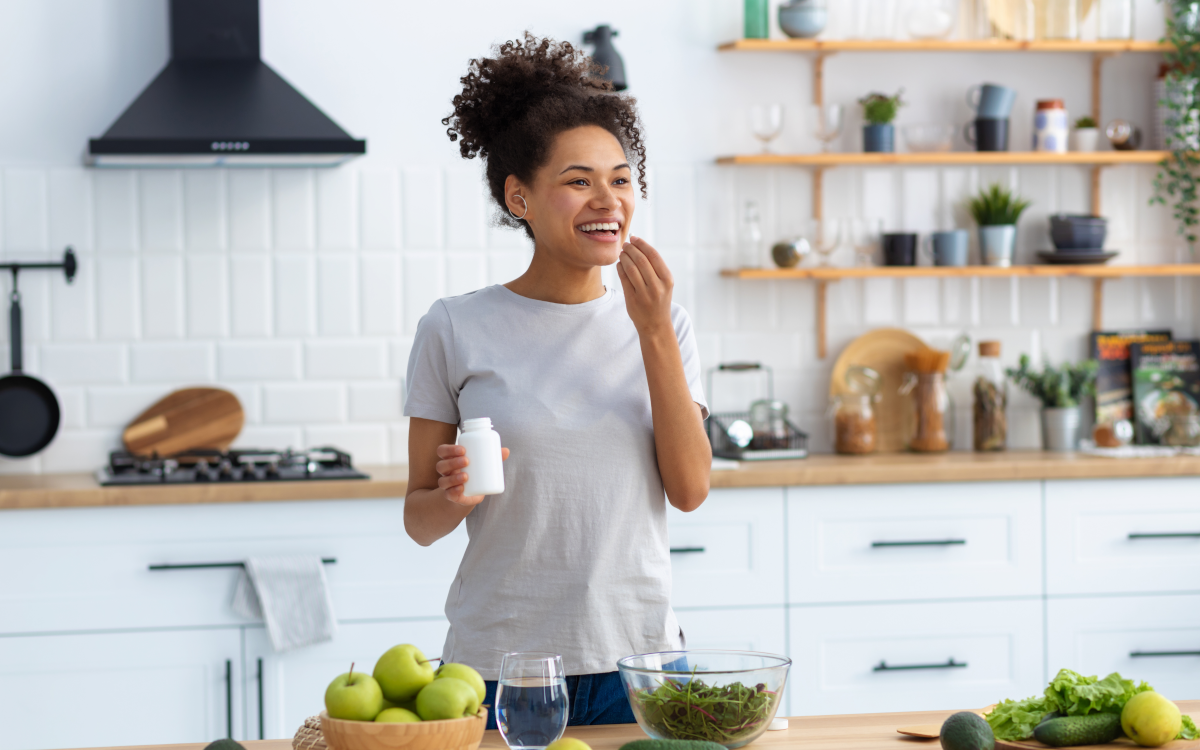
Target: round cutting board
{"points": [[188, 419], [882, 350]]}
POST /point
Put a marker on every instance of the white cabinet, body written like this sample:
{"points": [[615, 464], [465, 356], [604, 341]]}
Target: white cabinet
{"points": [[1123, 535], [914, 657], [742, 629], [144, 688], [730, 551], [1151, 638], [292, 684], [914, 541]]}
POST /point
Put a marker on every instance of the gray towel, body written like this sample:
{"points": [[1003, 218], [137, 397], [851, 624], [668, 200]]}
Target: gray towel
{"points": [[289, 593]]}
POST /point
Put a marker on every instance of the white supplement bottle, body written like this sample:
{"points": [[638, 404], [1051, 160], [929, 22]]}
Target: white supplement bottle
{"points": [[485, 470]]}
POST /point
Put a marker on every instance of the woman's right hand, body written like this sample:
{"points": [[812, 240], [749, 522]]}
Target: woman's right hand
{"points": [[450, 468]]}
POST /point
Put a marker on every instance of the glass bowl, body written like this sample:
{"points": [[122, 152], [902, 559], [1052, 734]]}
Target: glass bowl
{"points": [[727, 697], [929, 138]]}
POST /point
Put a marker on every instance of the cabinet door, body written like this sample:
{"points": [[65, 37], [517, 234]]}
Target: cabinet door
{"points": [[742, 629], [291, 686], [146, 688], [1151, 638], [914, 657], [729, 552]]}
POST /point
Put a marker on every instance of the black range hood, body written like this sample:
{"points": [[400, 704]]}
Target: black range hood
{"points": [[218, 104]]}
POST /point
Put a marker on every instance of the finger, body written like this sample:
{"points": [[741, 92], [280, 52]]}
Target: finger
{"points": [[451, 465], [656, 260], [504, 453], [456, 479], [636, 281], [645, 267], [625, 285], [450, 451]]}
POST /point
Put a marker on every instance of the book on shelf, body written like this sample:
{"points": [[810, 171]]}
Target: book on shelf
{"points": [[1114, 376], [1166, 390]]}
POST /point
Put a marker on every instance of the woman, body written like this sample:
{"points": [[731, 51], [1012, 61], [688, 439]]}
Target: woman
{"points": [[598, 398]]}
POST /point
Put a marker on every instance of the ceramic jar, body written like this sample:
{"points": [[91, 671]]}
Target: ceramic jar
{"points": [[1050, 126]]}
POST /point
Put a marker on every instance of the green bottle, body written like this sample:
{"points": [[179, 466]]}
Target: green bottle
{"points": [[758, 19]]}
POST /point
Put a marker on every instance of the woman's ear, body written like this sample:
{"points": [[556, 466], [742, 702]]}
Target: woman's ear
{"points": [[514, 198]]}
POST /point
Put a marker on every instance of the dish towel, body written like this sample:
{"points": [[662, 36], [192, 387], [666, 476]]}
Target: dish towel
{"points": [[291, 595]]}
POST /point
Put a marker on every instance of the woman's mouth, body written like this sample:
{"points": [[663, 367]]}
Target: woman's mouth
{"points": [[605, 231]]}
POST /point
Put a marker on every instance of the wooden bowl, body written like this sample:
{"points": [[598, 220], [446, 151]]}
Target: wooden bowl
{"points": [[449, 734]]}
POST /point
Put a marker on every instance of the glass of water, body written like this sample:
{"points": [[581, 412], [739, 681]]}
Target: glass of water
{"points": [[531, 700]]}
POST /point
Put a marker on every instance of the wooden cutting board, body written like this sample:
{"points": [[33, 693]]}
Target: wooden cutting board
{"points": [[188, 419], [1124, 743], [882, 350]]}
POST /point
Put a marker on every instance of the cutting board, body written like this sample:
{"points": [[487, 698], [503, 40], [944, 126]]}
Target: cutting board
{"points": [[882, 350], [1124, 743], [188, 419]]}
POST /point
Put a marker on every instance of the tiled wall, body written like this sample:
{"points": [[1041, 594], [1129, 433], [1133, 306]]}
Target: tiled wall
{"points": [[300, 289]]}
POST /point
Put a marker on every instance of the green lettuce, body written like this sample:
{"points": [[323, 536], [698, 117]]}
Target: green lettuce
{"points": [[1015, 720], [1189, 731]]}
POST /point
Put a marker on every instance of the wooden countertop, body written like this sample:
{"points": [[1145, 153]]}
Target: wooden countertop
{"points": [[850, 732], [81, 490]]}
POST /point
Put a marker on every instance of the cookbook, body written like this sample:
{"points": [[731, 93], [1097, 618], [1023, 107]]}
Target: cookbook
{"points": [[1114, 377], [1166, 389]]}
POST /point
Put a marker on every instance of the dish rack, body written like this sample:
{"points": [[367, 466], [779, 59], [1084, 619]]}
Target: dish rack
{"points": [[796, 445]]}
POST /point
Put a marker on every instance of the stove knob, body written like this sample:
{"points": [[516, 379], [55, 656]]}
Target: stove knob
{"points": [[273, 470], [226, 470]]}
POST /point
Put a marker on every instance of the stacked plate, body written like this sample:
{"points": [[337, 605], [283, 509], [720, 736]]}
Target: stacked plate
{"points": [[1077, 240]]}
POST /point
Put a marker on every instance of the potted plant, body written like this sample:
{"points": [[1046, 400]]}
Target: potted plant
{"points": [[879, 110], [996, 211], [1059, 390], [1086, 135]]}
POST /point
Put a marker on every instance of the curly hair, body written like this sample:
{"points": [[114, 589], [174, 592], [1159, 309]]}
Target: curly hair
{"points": [[513, 105]]}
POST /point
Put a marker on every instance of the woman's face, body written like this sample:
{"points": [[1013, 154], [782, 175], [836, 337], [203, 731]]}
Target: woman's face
{"points": [[581, 200]]}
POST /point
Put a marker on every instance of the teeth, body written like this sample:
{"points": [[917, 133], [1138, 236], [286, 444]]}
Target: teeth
{"points": [[610, 225]]}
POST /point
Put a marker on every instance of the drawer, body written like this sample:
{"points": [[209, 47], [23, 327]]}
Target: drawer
{"points": [[88, 569], [1110, 536], [896, 657], [729, 552], [749, 629], [1151, 638], [905, 542]]}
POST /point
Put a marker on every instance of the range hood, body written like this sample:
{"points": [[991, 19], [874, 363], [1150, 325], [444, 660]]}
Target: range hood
{"points": [[218, 104]]}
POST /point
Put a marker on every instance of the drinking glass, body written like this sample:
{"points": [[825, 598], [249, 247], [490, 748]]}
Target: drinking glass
{"points": [[824, 236], [531, 700], [826, 122], [865, 235], [766, 122]]}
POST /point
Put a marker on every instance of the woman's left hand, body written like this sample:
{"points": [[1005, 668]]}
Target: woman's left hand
{"points": [[647, 283]]}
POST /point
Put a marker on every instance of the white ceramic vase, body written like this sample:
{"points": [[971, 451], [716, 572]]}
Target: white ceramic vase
{"points": [[1085, 139]]}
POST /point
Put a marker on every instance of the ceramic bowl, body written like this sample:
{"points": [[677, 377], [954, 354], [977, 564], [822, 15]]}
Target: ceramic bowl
{"points": [[451, 734], [1072, 232], [929, 138], [803, 19]]}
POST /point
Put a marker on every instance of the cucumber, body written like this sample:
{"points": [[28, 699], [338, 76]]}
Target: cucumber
{"points": [[1069, 731], [671, 745]]}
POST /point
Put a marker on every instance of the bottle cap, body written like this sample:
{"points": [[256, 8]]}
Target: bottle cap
{"points": [[989, 348], [1050, 104], [480, 423], [777, 724]]}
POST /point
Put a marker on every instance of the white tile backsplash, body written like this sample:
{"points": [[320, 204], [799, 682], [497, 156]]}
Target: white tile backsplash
{"points": [[25, 211], [181, 364], [295, 294], [337, 295], [207, 296], [337, 209], [258, 361], [344, 360], [115, 196], [249, 209], [163, 299], [161, 209], [250, 295], [292, 209], [379, 209], [423, 219], [379, 293], [117, 282], [117, 406], [204, 215], [71, 364], [70, 209], [293, 403]]}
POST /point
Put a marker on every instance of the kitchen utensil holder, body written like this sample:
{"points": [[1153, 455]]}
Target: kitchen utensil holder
{"points": [[718, 424]]}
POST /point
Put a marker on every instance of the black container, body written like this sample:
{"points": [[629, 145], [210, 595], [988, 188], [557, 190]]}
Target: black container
{"points": [[1073, 232], [987, 134], [900, 249]]}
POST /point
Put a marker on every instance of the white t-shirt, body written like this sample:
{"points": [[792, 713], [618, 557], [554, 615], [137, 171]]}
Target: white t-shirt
{"points": [[573, 558]]}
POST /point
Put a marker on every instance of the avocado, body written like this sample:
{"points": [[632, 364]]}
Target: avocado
{"points": [[671, 745], [224, 745], [1068, 731], [967, 731]]}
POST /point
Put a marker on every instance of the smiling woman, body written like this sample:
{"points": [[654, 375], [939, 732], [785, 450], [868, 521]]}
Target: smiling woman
{"points": [[596, 394]]}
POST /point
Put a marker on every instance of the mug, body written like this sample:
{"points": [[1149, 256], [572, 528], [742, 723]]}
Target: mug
{"points": [[950, 248], [991, 101], [1050, 127], [899, 249], [987, 134]]}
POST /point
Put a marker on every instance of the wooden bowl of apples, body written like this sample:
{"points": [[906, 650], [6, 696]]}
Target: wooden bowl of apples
{"points": [[447, 734]]}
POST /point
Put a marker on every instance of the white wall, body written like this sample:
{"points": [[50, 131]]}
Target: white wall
{"points": [[300, 289]]}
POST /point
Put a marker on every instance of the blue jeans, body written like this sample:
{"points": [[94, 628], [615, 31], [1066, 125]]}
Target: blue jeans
{"points": [[593, 699]]}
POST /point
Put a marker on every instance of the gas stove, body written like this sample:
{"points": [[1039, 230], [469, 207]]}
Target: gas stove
{"points": [[204, 466]]}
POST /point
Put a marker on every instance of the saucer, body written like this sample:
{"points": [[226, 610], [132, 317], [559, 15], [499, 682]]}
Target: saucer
{"points": [[1077, 257]]}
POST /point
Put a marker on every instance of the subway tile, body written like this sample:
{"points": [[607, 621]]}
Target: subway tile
{"points": [[376, 402], [757, 305], [249, 395], [398, 442], [423, 285], [269, 438], [715, 205], [921, 302], [293, 210], [171, 363], [114, 192], [956, 301], [506, 266], [1037, 302], [675, 204], [366, 444], [204, 215], [295, 295], [207, 296], [465, 272], [423, 216], [117, 292], [35, 307], [161, 210], [879, 198], [249, 207], [1075, 303], [76, 451], [337, 296], [162, 297], [299, 403], [337, 220], [344, 360], [379, 290], [117, 406], [879, 302], [465, 211], [258, 361], [70, 364], [250, 295], [776, 350], [379, 209], [999, 304], [921, 200], [956, 192], [398, 351], [1121, 304], [503, 237], [71, 406], [25, 212], [70, 209]]}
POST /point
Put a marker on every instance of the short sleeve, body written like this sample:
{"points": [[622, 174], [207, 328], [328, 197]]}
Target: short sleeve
{"points": [[432, 384], [691, 356]]}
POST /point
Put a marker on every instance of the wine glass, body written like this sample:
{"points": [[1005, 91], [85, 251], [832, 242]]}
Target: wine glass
{"points": [[766, 122], [865, 235], [531, 699], [826, 123], [824, 236]]}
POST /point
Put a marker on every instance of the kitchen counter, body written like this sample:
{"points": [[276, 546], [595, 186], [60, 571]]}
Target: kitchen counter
{"points": [[850, 732], [81, 490]]}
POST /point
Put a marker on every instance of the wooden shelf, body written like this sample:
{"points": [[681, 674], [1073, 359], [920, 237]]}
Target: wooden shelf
{"points": [[909, 272], [941, 45], [848, 159]]}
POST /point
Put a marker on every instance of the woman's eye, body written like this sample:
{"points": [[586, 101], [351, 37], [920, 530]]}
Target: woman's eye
{"points": [[621, 181], [580, 181]]}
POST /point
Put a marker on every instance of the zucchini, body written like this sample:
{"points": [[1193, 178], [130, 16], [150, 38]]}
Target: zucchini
{"points": [[1069, 731]]}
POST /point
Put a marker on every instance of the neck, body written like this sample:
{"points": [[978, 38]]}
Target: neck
{"points": [[550, 280]]}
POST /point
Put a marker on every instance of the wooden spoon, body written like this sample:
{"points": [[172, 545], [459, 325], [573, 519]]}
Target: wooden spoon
{"points": [[934, 731]]}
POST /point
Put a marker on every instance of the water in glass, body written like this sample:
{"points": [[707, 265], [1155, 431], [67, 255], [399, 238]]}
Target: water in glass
{"points": [[531, 700]]}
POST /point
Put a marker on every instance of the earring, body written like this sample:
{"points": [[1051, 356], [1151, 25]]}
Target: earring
{"points": [[522, 216]]}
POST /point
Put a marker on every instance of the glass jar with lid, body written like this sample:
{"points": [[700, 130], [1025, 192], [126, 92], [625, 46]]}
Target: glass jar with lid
{"points": [[989, 393], [855, 428]]}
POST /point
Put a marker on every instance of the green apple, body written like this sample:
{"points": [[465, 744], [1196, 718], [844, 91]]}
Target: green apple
{"points": [[397, 716], [447, 698], [464, 673], [1150, 719], [402, 671], [568, 743], [354, 696]]}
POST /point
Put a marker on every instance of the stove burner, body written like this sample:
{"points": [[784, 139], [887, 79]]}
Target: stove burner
{"points": [[201, 466]]}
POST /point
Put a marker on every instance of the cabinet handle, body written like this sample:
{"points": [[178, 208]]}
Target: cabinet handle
{"points": [[229, 698], [928, 543], [196, 566], [261, 730], [1168, 535], [883, 666], [685, 550], [1140, 654]]}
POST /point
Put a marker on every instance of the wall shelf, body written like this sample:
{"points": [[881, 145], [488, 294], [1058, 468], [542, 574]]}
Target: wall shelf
{"points": [[1111, 46], [849, 159]]}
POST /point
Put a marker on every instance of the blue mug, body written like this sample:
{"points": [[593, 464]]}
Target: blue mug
{"points": [[950, 248], [991, 101]]}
